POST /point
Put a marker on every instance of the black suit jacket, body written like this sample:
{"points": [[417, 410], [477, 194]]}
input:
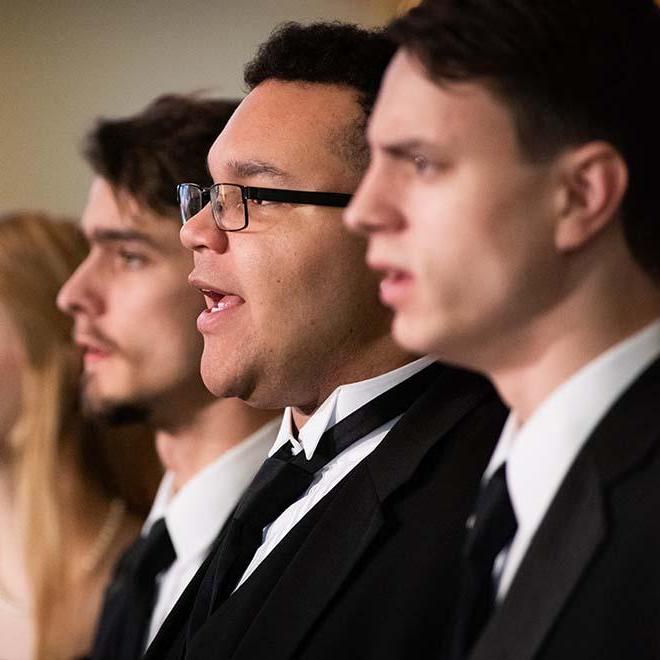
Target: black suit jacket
{"points": [[372, 570], [589, 585], [105, 646]]}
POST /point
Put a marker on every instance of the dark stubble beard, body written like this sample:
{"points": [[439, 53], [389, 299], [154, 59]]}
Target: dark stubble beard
{"points": [[115, 412]]}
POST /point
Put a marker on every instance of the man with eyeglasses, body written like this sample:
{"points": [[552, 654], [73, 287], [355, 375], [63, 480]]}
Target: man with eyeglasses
{"points": [[135, 323], [347, 541]]}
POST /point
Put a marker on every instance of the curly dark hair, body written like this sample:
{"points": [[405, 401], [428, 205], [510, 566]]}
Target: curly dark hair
{"points": [[149, 153], [331, 53], [570, 71]]}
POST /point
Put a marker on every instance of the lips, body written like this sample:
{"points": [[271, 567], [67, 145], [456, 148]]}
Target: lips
{"points": [[396, 284], [93, 349], [221, 304]]}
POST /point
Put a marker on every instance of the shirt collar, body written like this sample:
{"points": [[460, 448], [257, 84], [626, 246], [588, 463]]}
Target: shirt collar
{"points": [[340, 404], [196, 513], [540, 453]]}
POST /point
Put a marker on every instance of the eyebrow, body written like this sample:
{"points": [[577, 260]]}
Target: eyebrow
{"points": [[107, 235], [243, 169], [399, 149]]}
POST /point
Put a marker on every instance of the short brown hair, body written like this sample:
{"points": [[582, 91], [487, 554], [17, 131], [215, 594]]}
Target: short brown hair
{"points": [[569, 72], [149, 153]]}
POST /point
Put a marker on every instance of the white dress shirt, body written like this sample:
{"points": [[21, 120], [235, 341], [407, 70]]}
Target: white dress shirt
{"points": [[540, 453], [341, 403], [195, 514]]}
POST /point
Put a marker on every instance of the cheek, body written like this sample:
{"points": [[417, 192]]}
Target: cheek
{"points": [[448, 239], [185, 303], [307, 284], [482, 248], [455, 248], [173, 318], [149, 318], [275, 271]]}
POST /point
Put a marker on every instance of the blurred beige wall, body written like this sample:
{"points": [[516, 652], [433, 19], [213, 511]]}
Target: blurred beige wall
{"points": [[65, 62]]}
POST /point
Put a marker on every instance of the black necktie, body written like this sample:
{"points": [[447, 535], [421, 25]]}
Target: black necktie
{"points": [[282, 480], [128, 607], [494, 526]]}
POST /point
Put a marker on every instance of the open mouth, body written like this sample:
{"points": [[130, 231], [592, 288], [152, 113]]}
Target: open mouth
{"points": [[94, 353], [393, 276], [395, 285], [217, 301]]}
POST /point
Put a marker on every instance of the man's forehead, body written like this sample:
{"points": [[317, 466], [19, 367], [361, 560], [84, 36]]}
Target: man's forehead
{"points": [[413, 108], [279, 125], [405, 100], [111, 214], [275, 101]]}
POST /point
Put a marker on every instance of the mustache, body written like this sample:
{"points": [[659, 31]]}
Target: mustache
{"points": [[90, 337]]}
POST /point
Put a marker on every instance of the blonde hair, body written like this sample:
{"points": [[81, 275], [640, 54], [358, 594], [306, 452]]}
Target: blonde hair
{"points": [[64, 473]]}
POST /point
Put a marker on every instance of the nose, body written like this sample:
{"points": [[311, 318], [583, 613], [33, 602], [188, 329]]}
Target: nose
{"points": [[79, 294], [201, 232], [374, 206]]}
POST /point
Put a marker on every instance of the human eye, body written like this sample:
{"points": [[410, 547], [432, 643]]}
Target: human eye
{"points": [[131, 259], [423, 165], [262, 202]]}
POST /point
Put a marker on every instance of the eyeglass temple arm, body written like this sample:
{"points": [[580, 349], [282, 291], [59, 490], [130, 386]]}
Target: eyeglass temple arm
{"points": [[296, 196]]}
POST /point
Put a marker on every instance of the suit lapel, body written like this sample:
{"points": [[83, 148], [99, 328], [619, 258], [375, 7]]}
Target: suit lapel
{"points": [[356, 515], [340, 541], [575, 526], [452, 397]]}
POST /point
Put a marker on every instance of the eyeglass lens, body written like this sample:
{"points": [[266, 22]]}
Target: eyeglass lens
{"points": [[227, 206], [190, 200]]}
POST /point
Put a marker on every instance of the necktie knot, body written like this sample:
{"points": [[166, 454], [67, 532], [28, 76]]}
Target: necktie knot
{"points": [[279, 482], [494, 523], [155, 554], [493, 528]]}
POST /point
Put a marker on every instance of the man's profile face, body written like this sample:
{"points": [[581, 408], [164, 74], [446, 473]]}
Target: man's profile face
{"points": [[134, 312], [459, 222], [293, 297]]}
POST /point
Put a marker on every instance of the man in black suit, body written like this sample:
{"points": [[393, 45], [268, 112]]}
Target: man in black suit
{"points": [[381, 452], [134, 319], [527, 245]]}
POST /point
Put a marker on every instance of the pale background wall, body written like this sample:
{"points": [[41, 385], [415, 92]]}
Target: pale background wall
{"points": [[63, 63]]}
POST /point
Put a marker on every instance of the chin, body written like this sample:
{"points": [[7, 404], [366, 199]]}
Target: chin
{"points": [[413, 335], [115, 411], [215, 388], [247, 385], [218, 382]]}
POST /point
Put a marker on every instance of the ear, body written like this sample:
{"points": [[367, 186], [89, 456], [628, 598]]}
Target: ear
{"points": [[594, 179]]}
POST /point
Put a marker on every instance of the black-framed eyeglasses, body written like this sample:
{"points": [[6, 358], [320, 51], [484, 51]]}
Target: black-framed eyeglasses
{"points": [[228, 198]]}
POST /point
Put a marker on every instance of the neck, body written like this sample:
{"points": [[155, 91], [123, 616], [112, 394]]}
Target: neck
{"points": [[222, 424], [614, 306], [379, 358]]}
